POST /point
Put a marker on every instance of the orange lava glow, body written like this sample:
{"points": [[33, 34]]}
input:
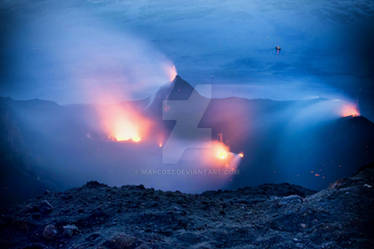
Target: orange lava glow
{"points": [[136, 138], [350, 110], [218, 156], [122, 123], [220, 151], [172, 72], [160, 138]]}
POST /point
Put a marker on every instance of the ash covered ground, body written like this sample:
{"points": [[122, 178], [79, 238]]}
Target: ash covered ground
{"points": [[268, 216]]}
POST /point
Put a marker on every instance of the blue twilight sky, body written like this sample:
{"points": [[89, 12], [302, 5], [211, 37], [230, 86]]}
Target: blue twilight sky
{"points": [[55, 51]]}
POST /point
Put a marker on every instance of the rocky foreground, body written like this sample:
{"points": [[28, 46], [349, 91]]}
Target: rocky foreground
{"points": [[268, 216]]}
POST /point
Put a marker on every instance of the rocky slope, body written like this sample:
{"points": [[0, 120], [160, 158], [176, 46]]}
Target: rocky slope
{"points": [[268, 216]]}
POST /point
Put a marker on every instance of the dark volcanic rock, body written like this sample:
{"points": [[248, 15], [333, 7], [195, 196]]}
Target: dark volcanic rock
{"points": [[122, 241], [49, 232], [268, 216]]}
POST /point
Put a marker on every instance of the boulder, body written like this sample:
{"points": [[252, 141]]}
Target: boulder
{"points": [[49, 232]]}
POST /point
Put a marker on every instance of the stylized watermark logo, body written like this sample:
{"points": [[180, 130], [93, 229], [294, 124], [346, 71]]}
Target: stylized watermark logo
{"points": [[186, 133], [188, 172]]}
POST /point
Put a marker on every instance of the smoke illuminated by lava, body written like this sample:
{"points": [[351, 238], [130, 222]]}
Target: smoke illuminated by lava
{"points": [[123, 123], [350, 110], [219, 155], [172, 72], [119, 121], [220, 150]]}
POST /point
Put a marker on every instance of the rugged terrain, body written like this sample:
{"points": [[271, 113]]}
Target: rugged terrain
{"points": [[47, 145], [268, 216]]}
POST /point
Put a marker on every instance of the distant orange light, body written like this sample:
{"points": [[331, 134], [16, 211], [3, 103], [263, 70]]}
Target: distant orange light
{"points": [[124, 130], [220, 151], [241, 154], [172, 72], [123, 123], [160, 145], [136, 139], [316, 174], [218, 155], [221, 154], [120, 138], [350, 110]]}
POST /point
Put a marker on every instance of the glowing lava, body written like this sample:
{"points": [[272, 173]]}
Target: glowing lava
{"points": [[122, 123], [217, 155], [220, 151], [350, 110], [221, 154], [124, 130], [136, 139]]}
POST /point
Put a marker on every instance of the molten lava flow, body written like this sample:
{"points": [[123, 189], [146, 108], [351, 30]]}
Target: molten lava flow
{"points": [[172, 72], [350, 110]]}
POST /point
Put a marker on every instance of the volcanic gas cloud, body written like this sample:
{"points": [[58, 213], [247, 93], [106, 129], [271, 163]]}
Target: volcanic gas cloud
{"points": [[123, 123], [350, 110]]}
